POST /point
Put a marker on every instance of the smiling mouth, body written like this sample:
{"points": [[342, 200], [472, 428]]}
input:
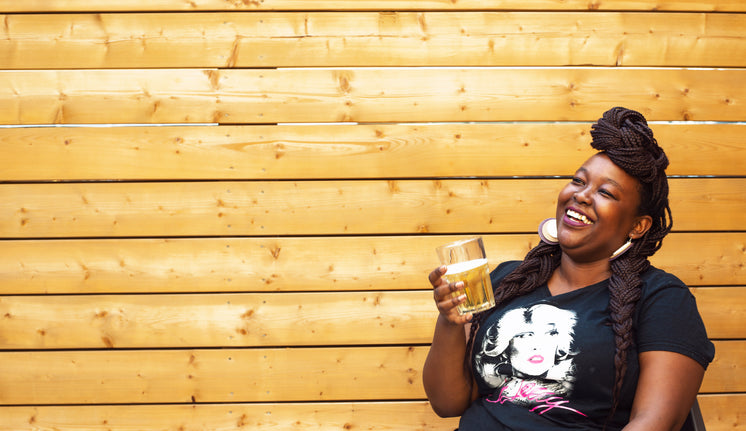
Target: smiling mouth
{"points": [[536, 359], [576, 216]]}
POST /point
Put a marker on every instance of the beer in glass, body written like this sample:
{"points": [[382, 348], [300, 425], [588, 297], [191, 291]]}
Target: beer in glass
{"points": [[466, 261]]}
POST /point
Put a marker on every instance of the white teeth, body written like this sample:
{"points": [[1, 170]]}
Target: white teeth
{"points": [[577, 216]]}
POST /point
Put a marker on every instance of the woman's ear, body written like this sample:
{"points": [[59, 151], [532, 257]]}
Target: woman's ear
{"points": [[642, 225]]}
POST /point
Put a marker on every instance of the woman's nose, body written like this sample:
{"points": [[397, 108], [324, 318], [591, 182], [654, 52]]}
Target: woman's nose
{"points": [[582, 196]]}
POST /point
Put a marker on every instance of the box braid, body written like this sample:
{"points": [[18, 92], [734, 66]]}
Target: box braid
{"points": [[624, 136]]}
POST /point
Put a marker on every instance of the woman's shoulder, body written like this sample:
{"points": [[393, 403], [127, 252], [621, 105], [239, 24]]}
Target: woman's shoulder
{"points": [[655, 279], [663, 288]]}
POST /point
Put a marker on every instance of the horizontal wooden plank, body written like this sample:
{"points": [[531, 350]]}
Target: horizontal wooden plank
{"points": [[176, 5], [266, 319], [375, 416], [723, 310], [250, 375], [342, 151], [328, 264], [723, 412], [235, 264], [365, 95], [724, 373], [337, 207], [265, 39], [223, 375]]}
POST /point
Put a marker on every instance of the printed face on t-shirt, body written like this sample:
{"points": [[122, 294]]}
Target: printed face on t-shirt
{"points": [[532, 344], [533, 352]]}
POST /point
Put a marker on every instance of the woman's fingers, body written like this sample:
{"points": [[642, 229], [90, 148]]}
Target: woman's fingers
{"points": [[445, 299], [436, 274]]}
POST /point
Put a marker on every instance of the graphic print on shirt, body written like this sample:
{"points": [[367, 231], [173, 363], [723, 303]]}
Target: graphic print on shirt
{"points": [[527, 358]]}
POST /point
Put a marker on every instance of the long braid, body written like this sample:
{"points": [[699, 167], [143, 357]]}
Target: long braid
{"points": [[624, 136], [624, 292]]}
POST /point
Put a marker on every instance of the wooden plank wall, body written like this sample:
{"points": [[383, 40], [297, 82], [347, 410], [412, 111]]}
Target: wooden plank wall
{"points": [[248, 247]]}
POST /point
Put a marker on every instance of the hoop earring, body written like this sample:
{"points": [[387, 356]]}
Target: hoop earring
{"points": [[621, 250], [548, 231]]}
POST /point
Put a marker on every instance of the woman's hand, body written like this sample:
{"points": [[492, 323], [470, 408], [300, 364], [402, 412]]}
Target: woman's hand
{"points": [[445, 299]]}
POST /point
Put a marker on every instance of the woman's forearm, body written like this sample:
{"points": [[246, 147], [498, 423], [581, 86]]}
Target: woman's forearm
{"points": [[448, 385]]}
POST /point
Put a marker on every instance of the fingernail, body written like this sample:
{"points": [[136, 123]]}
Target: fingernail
{"points": [[462, 297]]}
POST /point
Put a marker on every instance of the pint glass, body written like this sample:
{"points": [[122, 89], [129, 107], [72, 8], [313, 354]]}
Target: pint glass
{"points": [[466, 261]]}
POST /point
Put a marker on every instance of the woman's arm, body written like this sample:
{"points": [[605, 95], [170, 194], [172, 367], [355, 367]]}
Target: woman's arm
{"points": [[666, 390], [449, 387]]}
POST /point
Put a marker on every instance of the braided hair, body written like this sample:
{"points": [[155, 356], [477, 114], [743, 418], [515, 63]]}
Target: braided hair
{"points": [[625, 137]]}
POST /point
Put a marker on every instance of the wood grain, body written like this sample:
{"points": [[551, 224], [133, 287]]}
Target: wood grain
{"points": [[249, 375], [222, 375], [308, 39], [366, 95], [722, 412], [177, 5], [337, 208], [377, 263], [376, 416], [262, 320], [343, 151], [195, 276]]}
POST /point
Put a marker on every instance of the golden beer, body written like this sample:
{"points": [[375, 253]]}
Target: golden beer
{"points": [[477, 285]]}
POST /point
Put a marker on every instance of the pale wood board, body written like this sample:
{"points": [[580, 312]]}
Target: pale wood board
{"points": [[221, 375], [375, 416], [157, 5], [236, 96], [376, 263], [722, 412], [255, 375], [343, 151], [265, 39], [267, 319], [335, 208]]}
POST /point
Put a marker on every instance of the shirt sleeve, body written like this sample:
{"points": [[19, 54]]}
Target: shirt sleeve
{"points": [[668, 319]]}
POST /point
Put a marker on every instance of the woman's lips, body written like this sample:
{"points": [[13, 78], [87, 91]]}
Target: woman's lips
{"points": [[572, 222], [536, 359], [575, 220]]}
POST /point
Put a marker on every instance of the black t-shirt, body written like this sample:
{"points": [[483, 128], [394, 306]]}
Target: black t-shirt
{"points": [[546, 362]]}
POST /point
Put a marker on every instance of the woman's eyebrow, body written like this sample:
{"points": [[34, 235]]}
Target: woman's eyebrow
{"points": [[605, 179], [613, 183]]}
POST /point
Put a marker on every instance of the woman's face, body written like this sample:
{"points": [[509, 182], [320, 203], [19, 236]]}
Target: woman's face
{"points": [[533, 352], [598, 210]]}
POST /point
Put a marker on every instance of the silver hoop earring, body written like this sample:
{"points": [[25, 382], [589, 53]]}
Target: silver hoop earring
{"points": [[548, 231], [621, 250]]}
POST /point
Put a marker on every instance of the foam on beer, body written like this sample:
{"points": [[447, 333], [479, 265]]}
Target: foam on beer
{"points": [[457, 268]]}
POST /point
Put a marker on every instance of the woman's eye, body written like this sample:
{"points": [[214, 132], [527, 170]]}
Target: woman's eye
{"points": [[606, 193], [576, 180]]}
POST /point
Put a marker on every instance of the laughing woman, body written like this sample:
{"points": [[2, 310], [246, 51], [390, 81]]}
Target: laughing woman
{"points": [[586, 334]]}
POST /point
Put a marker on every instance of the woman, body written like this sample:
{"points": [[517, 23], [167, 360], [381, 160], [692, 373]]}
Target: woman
{"points": [[635, 349]]}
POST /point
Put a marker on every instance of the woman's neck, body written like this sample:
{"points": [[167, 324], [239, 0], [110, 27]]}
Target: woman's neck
{"points": [[571, 275]]}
